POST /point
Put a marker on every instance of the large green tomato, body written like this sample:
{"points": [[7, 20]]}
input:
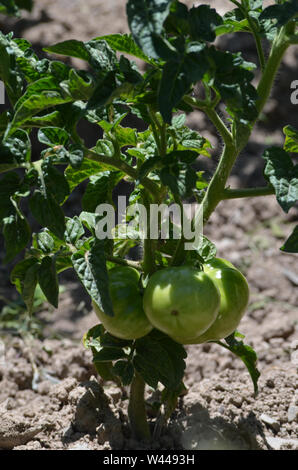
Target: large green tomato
{"points": [[129, 321], [182, 301], [234, 293]]}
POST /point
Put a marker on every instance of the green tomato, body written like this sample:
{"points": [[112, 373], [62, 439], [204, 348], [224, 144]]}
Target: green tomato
{"points": [[234, 293], [182, 301], [129, 321]]}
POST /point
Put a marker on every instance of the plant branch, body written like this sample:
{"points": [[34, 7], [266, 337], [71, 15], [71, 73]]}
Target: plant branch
{"points": [[121, 165], [137, 410], [124, 262], [148, 264], [213, 116], [247, 192], [215, 190], [279, 46]]}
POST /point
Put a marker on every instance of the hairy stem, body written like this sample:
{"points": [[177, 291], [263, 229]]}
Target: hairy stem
{"points": [[247, 192], [148, 264], [124, 262], [137, 411], [121, 165]]}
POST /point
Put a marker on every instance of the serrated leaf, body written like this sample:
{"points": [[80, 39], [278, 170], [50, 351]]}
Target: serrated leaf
{"points": [[24, 277], [148, 166], [291, 244], [283, 175], [16, 148], [71, 48], [55, 181], [48, 213], [92, 272], [203, 22], [206, 249], [291, 140], [44, 242], [48, 279], [177, 78], [29, 286], [9, 185], [108, 354], [159, 359], [246, 354], [99, 189], [75, 176], [126, 136], [53, 136], [282, 13], [74, 230], [17, 233], [125, 43], [124, 370], [104, 147], [145, 18]]}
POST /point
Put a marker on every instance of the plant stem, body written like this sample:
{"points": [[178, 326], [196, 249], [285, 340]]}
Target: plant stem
{"points": [[148, 264], [215, 190], [247, 192], [121, 165], [279, 46], [124, 262], [136, 409], [214, 118]]}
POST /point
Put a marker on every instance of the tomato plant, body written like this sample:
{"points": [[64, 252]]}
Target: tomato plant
{"points": [[50, 99]]}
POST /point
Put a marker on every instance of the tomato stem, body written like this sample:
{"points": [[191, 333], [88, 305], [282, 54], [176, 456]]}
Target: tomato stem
{"points": [[137, 410]]}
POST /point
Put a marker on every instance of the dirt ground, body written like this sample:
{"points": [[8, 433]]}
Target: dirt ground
{"points": [[50, 397]]}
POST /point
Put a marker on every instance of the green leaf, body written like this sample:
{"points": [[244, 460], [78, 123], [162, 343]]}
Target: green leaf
{"points": [[44, 242], [55, 181], [291, 140], [16, 148], [291, 244], [146, 18], [283, 175], [180, 178], [99, 189], [48, 213], [52, 136], [92, 272], [109, 354], [9, 72], [246, 354], [104, 146], [17, 233], [104, 92], [160, 359], [203, 22], [282, 13], [126, 136], [24, 276], [71, 48], [48, 279], [206, 249], [125, 43], [75, 176], [124, 370], [177, 78], [74, 230], [36, 99], [9, 185], [150, 164]]}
